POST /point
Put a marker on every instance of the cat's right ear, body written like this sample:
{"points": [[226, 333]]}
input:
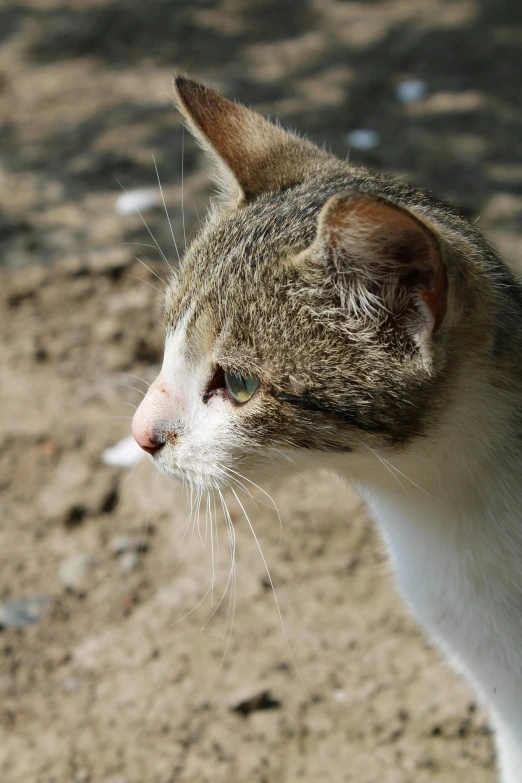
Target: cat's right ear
{"points": [[383, 261], [251, 155]]}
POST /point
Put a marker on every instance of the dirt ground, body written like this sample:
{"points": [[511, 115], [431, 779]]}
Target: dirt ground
{"points": [[125, 679]]}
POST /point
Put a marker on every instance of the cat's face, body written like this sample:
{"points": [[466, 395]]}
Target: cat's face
{"points": [[234, 315], [303, 320]]}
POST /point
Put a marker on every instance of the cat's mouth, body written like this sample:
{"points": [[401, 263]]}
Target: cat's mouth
{"points": [[199, 474]]}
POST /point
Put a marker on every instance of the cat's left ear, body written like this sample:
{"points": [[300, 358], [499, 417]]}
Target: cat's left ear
{"points": [[384, 261], [251, 155]]}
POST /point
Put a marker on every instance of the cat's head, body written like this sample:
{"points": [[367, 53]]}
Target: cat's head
{"points": [[308, 317]]}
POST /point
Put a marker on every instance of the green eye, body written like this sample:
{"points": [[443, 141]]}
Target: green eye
{"points": [[241, 388]]}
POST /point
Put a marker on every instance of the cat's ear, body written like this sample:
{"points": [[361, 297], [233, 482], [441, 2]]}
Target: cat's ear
{"points": [[252, 155], [384, 261]]}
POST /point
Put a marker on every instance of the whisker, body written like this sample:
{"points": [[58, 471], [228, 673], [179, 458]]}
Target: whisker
{"points": [[182, 188], [134, 388], [140, 244], [190, 611], [232, 600], [274, 505], [269, 576], [130, 375], [165, 207], [206, 528], [232, 553], [209, 511], [392, 467], [184, 531], [383, 461], [198, 506], [415, 485], [148, 229], [150, 270], [247, 492], [216, 528], [146, 283]]}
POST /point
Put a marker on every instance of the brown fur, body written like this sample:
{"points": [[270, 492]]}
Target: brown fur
{"points": [[279, 281]]}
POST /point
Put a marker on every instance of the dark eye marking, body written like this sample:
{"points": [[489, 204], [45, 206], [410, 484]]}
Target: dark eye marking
{"points": [[309, 402]]}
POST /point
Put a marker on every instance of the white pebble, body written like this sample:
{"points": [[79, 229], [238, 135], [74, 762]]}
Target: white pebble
{"points": [[129, 561], [411, 90], [72, 684], [74, 571], [363, 139], [124, 454], [121, 544], [134, 201]]}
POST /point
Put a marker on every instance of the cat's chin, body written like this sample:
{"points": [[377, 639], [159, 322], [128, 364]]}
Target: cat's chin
{"points": [[260, 473]]}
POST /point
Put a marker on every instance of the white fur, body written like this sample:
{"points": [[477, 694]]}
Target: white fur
{"points": [[454, 534], [174, 403]]}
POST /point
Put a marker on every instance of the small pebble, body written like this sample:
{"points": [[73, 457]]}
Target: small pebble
{"points": [[411, 90], [74, 571], [129, 562], [168, 596], [246, 703], [72, 684], [21, 612], [363, 139], [120, 545], [134, 201], [124, 454], [339, 696]]}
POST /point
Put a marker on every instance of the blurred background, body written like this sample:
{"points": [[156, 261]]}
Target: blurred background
{"points": [[104, 677]]}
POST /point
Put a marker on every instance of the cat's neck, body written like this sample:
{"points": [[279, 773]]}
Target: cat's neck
{"points": [[469, 468]]}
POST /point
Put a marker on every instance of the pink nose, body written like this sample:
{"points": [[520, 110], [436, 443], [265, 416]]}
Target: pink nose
{"points": [[151, 417], [145, 441]]}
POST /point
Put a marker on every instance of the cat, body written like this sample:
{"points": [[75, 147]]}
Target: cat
{"points": [[349, 321]]}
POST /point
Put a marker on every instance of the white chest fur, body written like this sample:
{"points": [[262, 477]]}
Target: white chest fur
{"points": [[457, 554]]}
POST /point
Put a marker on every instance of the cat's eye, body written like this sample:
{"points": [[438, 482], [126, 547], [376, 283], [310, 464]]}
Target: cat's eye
{"points": [[240, 387]]}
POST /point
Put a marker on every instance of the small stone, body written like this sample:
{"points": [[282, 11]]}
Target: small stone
{"points": [[167, 596], [72, 684], [21, 612], [340, 696], [120, 545], [411, 90], [186, 588], [129, 562], [253, 701], [363, 139], [74, 571]]}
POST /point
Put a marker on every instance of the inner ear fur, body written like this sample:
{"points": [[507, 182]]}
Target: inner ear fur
{"points": [[382, 255], [251, 155]]}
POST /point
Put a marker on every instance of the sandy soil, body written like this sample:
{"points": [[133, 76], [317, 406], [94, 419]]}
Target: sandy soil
{"points": [[125, 679]]}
